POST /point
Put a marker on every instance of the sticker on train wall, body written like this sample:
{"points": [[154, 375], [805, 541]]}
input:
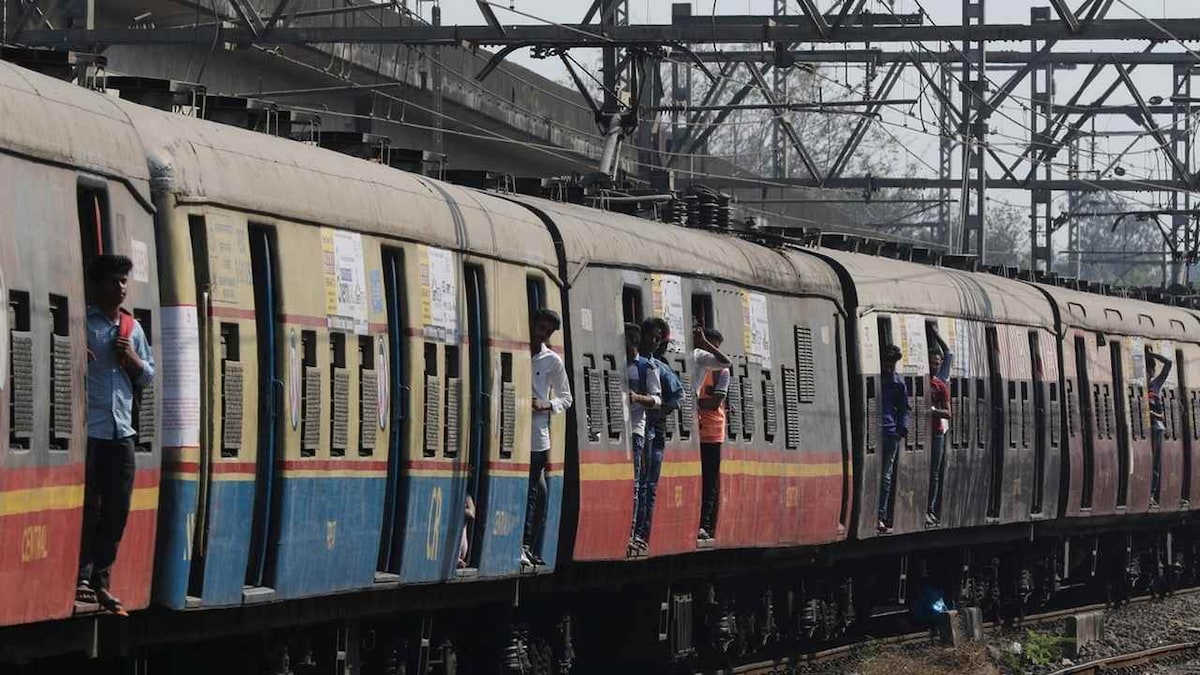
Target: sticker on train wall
{"points": [[757, 332], [439, 294], [382, 380], [294, 378], [1167, 348], [666, 297], [179, 334], [376, 277], [1136, 348], [345, 287], [228, 261], [141, 261], [960, 342], [912, 345], [585, 319]]}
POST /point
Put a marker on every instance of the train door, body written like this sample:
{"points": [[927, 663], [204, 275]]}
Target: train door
{"points": [[260, 564], [1039, 422], [392, 530], [1188, 426], [998, 426], [1123, 449], [477, 358], [1083, 378]]}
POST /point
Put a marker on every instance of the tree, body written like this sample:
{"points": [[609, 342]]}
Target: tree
{"points": [[1115, 248]]}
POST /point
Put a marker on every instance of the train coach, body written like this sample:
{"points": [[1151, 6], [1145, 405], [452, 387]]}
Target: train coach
{"points": [[344, 361]]}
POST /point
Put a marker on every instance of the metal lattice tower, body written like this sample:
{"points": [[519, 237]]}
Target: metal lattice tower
{"points": [[975, 115]]}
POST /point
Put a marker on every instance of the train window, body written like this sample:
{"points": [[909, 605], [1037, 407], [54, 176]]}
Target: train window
{"points": [[702, 309], [981, 413], [20, 372], [92, 208], [1113, 315], [1026, 422], [1071, 408], [734, 408], [232, 391], [791, 411], [1145, 320], [872, 415], [749, 414], [144, 411], [368, 396], [453, 403], [508, 406], [806, 371], [631, 304], [433, 402], [310, 402], [614, 386], [1077, 309], [1012, 414], [62, 391], [770, 421], [339, 396], [884, 324], [535, 293], [593, 397]]}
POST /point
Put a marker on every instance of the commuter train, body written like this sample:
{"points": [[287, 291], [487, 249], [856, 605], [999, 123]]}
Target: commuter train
{"points": [[343, 358]]}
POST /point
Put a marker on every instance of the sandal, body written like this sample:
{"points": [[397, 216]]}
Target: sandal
{"points": [[110, 603]]}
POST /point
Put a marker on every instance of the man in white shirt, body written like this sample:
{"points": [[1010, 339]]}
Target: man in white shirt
{"points": [[551, 396], [645, 391]]}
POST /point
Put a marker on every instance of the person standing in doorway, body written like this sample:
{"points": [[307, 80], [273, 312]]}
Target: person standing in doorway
{"points": [[1158, 418], [711, 368], [644, 395], [551, 396], [894, 425], [119, 363], [940, 358], [656, 335]]}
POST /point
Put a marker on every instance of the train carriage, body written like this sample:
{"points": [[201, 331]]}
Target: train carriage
{"points": [[1001, 463], [75, 185], [782, 480], [1108, 434], [358, 373]]}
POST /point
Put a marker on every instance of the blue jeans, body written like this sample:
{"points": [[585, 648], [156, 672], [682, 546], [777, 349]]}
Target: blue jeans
{"points": [[647, 482], [891, 452], [937, 469], [640, 461]]}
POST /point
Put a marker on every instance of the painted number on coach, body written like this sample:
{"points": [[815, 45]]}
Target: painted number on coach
{"points": [[434, 524], [33, 543]]}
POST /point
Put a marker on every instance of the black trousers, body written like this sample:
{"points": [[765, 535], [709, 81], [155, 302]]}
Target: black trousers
{"points": [[710, 485], [107, 490], [535, 507]]}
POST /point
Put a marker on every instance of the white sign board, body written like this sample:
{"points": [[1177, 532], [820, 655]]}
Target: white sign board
{"points": [[180, 377], [345, 281]]}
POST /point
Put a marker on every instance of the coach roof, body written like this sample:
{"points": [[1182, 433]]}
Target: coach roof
{"points": [[206, 162], [1116, 315], [595, 237], [61, 122]]}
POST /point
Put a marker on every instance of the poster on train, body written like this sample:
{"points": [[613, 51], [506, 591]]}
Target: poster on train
{"points": [[439, 294], [180, 377], [1136, 348], [912, 345], [1167, 348], [229, 269], [345, 284], [757, 333], [666, 294], [960, 345]]}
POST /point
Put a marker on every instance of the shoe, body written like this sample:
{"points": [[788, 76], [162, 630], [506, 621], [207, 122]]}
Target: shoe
{"points": [[526, 561], [703, 535], [84, 593], [883, 528], [930, 520], [535, 558], [640, 544], [110, 603]]}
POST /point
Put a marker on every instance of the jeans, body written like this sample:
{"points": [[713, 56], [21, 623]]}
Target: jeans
{"points": [[640, 462], [647, 483], [891, 452], [108, 487], [710, 480], [535, 505], [1156, 443], [937, 470]]}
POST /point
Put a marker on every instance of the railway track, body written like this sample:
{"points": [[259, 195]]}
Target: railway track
{"points": [[782, 665]]}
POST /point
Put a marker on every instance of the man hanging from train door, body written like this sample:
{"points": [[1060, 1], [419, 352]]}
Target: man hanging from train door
{"points": [[656, 338], [940, 358], [645, 391], [551, 396], [711, 368], [1158, 426], [119, 363], [893, 414]]}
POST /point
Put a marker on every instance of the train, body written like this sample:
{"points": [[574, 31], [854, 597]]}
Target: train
{"points": [[344, 358]]}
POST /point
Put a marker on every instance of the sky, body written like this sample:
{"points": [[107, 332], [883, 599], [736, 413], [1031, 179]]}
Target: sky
{"points": [[1009, 125]]}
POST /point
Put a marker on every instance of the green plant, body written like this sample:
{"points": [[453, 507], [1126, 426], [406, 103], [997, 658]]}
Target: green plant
{"points": [[1041, 649]]}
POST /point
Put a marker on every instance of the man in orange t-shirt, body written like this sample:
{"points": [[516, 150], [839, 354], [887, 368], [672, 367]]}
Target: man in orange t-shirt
{"points": [[712, 372]]}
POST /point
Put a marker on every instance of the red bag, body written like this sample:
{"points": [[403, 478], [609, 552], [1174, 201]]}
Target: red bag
{"points": [[124, 329]]}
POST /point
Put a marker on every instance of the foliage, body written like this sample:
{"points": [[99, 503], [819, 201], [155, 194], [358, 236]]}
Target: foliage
{"points": [[1042, 649]]}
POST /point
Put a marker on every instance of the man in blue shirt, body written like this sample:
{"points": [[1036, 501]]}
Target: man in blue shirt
{"points": [[893, 413], [119, 362]]}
